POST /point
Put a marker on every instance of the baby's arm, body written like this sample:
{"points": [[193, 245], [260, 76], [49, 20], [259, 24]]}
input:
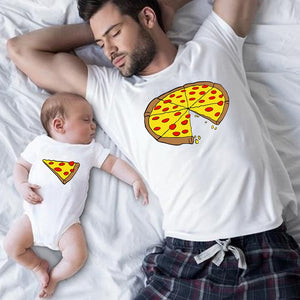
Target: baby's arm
{"points": [[122, 170], [26, 189]]}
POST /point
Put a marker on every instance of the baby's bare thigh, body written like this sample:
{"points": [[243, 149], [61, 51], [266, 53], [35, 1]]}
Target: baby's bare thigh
{"points": [[73, 242], [20, 234]]}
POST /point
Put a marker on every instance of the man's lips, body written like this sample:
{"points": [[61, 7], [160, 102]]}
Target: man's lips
{"points": [[118, 61]]}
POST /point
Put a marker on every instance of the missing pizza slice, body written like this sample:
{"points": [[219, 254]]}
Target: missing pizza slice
{"points": [[64, 170]]}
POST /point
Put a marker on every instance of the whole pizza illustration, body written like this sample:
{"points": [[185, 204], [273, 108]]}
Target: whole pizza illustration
{"points": [[167, 117], [64, 170]]}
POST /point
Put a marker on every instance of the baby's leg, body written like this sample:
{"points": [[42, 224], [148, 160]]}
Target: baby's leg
{"points": [[74, 254], [18, 243]]}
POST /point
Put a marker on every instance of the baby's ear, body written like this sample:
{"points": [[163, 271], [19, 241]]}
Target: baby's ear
{"points": [[58, 125]]}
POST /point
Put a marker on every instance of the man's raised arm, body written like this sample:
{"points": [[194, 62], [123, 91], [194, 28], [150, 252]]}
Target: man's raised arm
{"points": [[238, 14], [43, 56]]}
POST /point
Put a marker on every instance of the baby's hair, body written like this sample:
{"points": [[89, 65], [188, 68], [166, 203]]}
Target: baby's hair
{"points": [[56, 106]]}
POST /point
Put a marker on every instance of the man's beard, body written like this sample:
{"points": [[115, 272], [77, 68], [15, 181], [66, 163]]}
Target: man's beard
{"points": [[142, 56]]}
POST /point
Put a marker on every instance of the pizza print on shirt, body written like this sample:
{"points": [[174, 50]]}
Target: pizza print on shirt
{"points": [[64, 170], [167, 117]]}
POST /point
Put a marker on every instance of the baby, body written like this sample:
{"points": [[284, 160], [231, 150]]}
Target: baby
{"points": [[52, 176]]}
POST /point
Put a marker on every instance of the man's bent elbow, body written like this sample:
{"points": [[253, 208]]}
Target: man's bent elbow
{"points": [[13, 48], [16, 51]]}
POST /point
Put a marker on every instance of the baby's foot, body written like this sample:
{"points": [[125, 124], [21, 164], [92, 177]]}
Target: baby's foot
{"points": [[42, 272], [49, 290]]}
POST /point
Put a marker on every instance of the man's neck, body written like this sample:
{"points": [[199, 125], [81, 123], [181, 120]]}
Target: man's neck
{"points": [[166, 53]]}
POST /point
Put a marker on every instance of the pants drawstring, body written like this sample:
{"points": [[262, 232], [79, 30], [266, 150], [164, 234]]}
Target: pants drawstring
{"points": [[218, 250]]}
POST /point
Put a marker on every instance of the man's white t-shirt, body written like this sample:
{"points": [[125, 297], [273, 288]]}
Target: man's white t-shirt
{"points": [[232, 182], [63, 202]]}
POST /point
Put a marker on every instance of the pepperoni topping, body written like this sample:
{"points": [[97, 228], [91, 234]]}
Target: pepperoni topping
{"points": [[205, 86], [201, 101], [71, 163], [173, 95], [183, 91], [58, 169], [185, 131], [165, 120], [192, 93], [177, 114], [156, 128], [155, 118], [179, 96], [167, 101], [157, 107], [182, 101], [184, 122], [72, 170], [192, 99], [172, 127], [212, 98], [221, 96], [202, 93], [220, 103], [214, 92], [66, 173], [176, 133], [195, 88], [61, 164], [208, 109], [166, 109], [175, 106], [188, 116], [51, 163], [217, 114]]}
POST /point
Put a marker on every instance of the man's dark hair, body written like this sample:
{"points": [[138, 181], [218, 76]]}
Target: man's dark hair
{"points": [[87, 8]]}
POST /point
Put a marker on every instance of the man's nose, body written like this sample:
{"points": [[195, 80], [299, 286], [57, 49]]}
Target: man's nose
{"points": [[110, 49]]}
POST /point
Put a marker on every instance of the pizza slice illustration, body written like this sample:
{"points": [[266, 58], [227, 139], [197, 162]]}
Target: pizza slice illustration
{"points": [[167, 117], [64, 170]]}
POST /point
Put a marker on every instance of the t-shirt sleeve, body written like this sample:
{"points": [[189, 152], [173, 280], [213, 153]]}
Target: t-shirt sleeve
{"points": [[31, 150], [215, 29], [101, 84], [100, 154]]}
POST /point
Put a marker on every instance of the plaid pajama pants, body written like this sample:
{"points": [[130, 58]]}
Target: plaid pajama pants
{"points": [[273, 270]]}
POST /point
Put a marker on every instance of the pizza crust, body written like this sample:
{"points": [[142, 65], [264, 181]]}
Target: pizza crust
{"points": [[176, 141]]}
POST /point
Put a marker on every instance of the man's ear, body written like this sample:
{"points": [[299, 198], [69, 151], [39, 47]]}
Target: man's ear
{"points": [[58, 125], [147, 17]]}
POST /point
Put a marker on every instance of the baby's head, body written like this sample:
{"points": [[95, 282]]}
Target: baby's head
{"points": [[68, 118]]}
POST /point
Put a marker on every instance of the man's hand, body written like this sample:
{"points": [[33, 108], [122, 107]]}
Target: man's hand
{"points": [[139, 188], [29, 192]]}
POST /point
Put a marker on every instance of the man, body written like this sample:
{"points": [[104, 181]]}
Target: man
{"points": [[185, 118]]}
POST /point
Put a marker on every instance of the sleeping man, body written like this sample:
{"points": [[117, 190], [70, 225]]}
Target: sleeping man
{"points": [[186, 119]]}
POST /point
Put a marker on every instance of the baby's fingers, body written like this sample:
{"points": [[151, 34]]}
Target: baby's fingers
{"points": [[146, 198], [34, 186], [34, 198], [136, 191]]}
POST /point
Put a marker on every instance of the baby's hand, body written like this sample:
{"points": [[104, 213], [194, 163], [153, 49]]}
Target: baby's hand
{"points": [[139, 188], [28, 192]]}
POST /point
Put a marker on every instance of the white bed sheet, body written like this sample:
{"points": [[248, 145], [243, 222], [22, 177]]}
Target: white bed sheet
{"points": [[119, 229]]}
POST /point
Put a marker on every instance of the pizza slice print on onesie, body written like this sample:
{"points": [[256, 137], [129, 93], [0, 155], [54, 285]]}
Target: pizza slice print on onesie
{"points": [[64, 170], [167, 117]]}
